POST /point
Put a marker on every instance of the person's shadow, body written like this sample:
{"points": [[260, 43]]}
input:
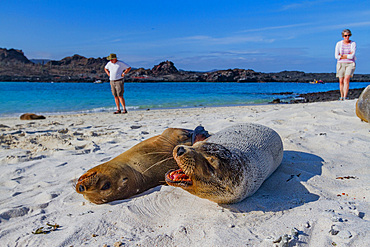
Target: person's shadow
{"points": [[284, 190]]}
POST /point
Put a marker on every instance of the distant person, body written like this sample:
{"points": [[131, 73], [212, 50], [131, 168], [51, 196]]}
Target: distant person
{"points": [[116, 71], [345, 51]]}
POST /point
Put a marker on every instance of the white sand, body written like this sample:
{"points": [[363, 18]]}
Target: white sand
{"points": [[40, 160]]}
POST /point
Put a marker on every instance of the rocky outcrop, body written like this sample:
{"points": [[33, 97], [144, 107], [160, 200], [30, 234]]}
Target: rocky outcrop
{"points": [[317, 97], [16, 67], [12, 56], [165, 68]]}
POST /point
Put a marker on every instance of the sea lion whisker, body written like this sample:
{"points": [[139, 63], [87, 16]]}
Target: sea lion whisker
{"points": [[158, 163], [169, 141], [156, 153], [74, 183]]}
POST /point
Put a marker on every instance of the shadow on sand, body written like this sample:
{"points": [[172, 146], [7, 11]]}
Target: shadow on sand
{"points": [[284, 190]]}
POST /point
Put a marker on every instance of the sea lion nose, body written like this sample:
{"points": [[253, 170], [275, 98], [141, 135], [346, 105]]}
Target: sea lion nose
{"points": [[81, 188], [180, 151]]}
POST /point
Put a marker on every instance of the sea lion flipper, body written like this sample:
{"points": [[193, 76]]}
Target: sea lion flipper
{"points": [[199, 134]]}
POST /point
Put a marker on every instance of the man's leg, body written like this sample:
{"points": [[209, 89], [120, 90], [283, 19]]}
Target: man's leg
{"points": [[122, 100], [116, 99]]}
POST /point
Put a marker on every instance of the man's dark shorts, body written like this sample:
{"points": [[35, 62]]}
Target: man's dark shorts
{"points": [[117, 87]]}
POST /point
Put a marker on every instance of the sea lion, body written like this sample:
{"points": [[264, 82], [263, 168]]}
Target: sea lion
{"points": [[138, 169], [229, 165], [31, 116], [363, 105]]}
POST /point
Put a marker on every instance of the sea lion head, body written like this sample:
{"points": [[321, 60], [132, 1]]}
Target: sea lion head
{"points": [[207, 170], [138, 169], [103, 183]]}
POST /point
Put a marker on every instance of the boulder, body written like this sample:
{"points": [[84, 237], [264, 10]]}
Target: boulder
{"points": [[363, 105]]}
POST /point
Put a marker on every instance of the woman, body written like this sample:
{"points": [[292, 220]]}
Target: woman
{"points": [[345, 51]]}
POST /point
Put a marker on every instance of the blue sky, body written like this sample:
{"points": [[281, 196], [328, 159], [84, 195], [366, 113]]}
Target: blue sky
{"points": [[266, 36]]}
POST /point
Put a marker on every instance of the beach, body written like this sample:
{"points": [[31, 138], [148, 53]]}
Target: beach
{"points": [[319, 196]]}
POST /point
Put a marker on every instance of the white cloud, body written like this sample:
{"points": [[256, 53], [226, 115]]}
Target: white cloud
{"points": [[277, 27], [226, 40], [303, 4]]}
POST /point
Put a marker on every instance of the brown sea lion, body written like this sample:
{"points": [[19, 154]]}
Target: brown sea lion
{"points": [[138, 169], [228, 166], [31, 116], [363, 105]]}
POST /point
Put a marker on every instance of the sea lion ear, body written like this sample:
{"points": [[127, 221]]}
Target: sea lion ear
{"points": [[199, 134], [218, 151], [122, 184]]}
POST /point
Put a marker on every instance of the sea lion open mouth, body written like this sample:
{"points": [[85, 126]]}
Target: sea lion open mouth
{"points": [[178, 178]]}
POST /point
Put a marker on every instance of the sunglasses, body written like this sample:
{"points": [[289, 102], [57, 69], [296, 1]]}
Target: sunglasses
{"points": [[346, 35]]}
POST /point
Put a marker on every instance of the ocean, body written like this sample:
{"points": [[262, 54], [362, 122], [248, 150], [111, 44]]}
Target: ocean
{"points": [[17, 98]]}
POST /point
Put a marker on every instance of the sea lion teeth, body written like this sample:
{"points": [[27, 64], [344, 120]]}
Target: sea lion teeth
{"points": [[178, 177]]}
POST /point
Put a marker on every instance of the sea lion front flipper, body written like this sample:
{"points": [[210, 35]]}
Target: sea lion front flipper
{"points": [[199, 134]]}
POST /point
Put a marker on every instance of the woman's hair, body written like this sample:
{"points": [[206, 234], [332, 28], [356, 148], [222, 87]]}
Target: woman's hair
{"points": [[346, 31]]}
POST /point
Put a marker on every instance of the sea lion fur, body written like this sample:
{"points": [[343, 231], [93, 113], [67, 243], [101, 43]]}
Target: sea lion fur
{"points": [[228, 166], [31, 116], [138, 169]]}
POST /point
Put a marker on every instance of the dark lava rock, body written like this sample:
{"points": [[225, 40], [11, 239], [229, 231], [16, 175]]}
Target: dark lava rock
{"points": [[12, 56], [165, 68], [326, 96], [275, 101], [14, 66]]}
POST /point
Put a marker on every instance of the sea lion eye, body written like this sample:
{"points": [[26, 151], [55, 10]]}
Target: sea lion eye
{"points": [[81, 188], [106, 186]]}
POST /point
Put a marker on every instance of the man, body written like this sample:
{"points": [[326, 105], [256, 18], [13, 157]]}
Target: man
{"points": [[116, 70]]}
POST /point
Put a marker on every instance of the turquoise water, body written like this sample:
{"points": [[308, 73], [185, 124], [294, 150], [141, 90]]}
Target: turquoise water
{"points": [[52, 98]]}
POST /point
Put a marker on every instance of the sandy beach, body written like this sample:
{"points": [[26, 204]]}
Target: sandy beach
{"points": [[319, 196]]}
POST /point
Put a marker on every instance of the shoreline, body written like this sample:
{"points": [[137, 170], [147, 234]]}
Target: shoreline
{"points": [[79, 68], [331, 95]]}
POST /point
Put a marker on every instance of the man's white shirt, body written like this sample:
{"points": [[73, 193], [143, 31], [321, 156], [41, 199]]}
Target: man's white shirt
{"points": [[116, 69]]}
